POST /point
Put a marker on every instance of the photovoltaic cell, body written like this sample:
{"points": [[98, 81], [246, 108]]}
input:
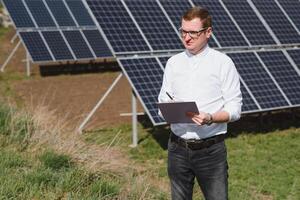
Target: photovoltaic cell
{"points": [[284, 73], [40, 13], [248, 102], [97, 43], [18, 13], [35, 46], [163, 60], [258, 80], [224, 29], [60, 13], [295, 54], [57, 45], [175, 10], [78, 44], [280, 25], [248, 21], [145, 75], [155, 26], [292, 8], [80, 13], [117, 25]]}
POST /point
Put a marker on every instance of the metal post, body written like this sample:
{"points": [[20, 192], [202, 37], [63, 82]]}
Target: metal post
{"points": [[27, 64], [10, 56], [98, 104], [134, 122]]}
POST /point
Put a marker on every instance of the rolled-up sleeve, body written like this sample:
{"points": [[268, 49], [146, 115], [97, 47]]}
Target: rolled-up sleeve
{"points": [[231, 90]]}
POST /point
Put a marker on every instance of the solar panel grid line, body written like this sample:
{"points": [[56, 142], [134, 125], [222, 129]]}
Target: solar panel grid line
{"points": [[68, 45], [25, 19], [292, 7], [40, 13], [32, 50], [99, 28], [47, 46], [167, 16], [70, 12], [264, 22], [80, 13], [213, 35], [272, 77], [291, 61], [50, 12], [276, 19], [156, 28], [235, 23], [160, 64], [295, 55], [30, 14], [250, 93], [137, 25], [88, 44], [283, 73], [287, 16]]}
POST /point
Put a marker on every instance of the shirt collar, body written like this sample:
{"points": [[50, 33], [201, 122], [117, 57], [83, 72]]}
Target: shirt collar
{"points": [[199, 55]]}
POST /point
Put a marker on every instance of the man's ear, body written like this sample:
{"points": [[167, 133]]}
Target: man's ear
{"points": [[208, 32]]}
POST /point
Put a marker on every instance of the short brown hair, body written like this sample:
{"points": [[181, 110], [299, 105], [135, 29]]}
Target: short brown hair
{"points": [[198, 12]]}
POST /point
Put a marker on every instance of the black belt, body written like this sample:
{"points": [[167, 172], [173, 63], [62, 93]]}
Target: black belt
{"points": [[195, 144]]}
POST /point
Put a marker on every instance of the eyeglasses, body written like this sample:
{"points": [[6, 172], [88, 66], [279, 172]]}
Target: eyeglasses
{"points": [[192, 34]]}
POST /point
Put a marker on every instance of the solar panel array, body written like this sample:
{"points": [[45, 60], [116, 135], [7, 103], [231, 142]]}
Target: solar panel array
{"points": [[56, 30], [262, 38]]}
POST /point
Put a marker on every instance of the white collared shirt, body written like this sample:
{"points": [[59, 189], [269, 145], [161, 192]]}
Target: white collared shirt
{"points": [[208, 78]]}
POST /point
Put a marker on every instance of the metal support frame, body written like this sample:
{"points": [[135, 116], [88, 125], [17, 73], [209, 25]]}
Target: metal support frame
{"points": [[10, 56], [82, 125], [134, 121], [27, 64]]}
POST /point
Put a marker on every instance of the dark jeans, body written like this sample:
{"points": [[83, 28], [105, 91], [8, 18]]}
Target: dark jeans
{"points": [[208, 165]]}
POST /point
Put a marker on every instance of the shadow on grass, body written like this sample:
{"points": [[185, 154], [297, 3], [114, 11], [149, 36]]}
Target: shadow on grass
{"points": [[261, 123]]}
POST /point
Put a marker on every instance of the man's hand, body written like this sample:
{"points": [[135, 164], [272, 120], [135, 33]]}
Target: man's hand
{"points": [[200, 119]]}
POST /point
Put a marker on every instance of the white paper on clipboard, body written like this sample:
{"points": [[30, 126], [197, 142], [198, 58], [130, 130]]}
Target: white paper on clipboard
{"points": [[175, 112]]}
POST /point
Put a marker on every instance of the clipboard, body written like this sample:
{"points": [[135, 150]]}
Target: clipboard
{"points": [[174, 112]]}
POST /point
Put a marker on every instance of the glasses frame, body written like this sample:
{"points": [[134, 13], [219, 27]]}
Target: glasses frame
{"points": [[183, 32]]}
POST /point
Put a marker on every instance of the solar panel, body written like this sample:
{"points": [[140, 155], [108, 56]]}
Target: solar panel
{"points": [[78, 44], [80, 13], [284, 73], [258, 81], [60, 13], [248, 21], [248, 102], [163, 61], [292, 8], [175, 10], [36, 46], [57, 45], [40, 13], [295, 54], [280, 25], [145, 76], [18, 13], [97, 43], [224, 29], [118, 26]]}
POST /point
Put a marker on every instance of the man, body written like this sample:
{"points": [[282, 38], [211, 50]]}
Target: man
{"points": [[209, 78]]}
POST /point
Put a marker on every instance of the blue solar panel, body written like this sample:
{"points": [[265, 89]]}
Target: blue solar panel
{"points": [[18, 13], [80, 13], [163, 61], [280, 25], [284, 73], [248, 21], [295, 54], [258, 81], [145, 76], [157, 29], [57, 45], [97, 43], [248, 102], [292, 8], [40, 13], [176, 9], [35, 46], [224, 29], [78, 44], [117, 25], [60, 13]]}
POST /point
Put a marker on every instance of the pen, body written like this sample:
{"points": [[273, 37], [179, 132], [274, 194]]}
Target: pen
{"points": [[169, 96]]}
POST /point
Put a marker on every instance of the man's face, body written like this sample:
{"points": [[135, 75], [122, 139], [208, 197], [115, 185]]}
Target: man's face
{"points": [[194, 35]]}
